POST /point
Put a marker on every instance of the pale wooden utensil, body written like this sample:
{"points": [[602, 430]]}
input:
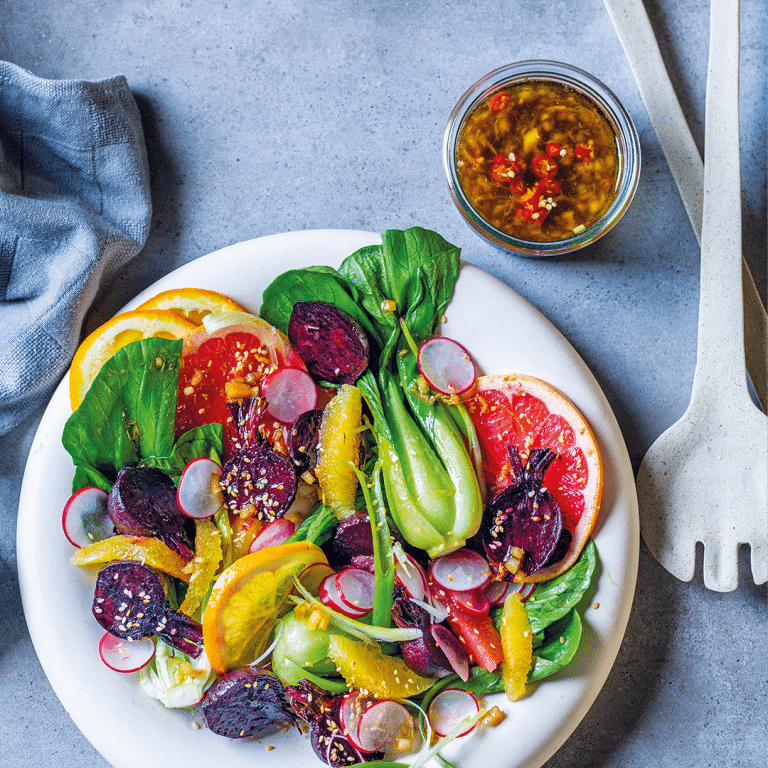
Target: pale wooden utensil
{"points": [[635, 32], [706, 478]]}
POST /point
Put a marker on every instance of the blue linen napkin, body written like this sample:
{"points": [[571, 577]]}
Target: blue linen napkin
{"points": [[74, 206]]}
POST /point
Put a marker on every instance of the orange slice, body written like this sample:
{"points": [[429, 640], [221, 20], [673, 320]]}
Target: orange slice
{"points": [[517, 644], [143, 549], [115, 334], [525, 412], [202, 568], [366, 668], [193, 303], [339, 450], [248, 598]]}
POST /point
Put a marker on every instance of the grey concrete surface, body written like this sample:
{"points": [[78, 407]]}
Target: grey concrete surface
{"points": [[265, 116]]}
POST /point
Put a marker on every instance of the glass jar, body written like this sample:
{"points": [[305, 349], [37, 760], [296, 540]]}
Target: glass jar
{"points": [[491, 94]]}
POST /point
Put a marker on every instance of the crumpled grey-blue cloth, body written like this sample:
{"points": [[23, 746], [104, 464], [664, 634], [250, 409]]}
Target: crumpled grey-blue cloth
{"points": [[74, 206]]}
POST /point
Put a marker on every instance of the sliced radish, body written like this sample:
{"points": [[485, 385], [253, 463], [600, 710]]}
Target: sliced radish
{"points": [[350, 711], [199, 494], [85, 517], [356, 588], [449, 708], [454, 651], [524, 590], [411, 575], [473, 601], [446, 365], [461, 570], [379, 723], [126, 655], [328, 593], [272, 534], [496, 592], [313, 576], [289, 392]]}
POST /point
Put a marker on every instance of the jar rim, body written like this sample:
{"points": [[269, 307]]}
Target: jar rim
{"points": [[627, 141]]}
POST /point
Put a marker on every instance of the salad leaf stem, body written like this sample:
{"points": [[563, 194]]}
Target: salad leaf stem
{"points": [[365, 632]]}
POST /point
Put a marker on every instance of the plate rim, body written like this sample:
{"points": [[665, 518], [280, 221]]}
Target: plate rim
{"points": [[332, 240]]}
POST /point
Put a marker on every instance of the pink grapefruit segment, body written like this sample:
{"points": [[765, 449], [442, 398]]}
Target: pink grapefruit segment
{"points": [[527, 413]]}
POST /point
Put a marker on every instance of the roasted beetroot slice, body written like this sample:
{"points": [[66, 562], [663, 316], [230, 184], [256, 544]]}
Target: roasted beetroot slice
{"points": [[423, 654], [246, 421], [129, 602], [245, 702], [142, 502], [332, 345], [303, 440], [258, 476], [321, 710], [352, 538], [523, 515]]}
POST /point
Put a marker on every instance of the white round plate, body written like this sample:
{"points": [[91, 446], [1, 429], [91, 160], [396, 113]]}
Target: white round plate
{"points": [[505, 334]]}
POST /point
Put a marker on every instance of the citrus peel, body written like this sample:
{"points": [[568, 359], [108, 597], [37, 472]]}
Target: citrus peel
{"points": [[248, 598]]}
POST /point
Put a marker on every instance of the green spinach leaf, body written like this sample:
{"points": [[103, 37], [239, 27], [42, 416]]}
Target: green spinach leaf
{"points": [[555, 598], [561, 643], [314, 284], [128, 412], [206, 441]]}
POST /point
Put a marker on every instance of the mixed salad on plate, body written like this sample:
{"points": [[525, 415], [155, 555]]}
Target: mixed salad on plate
{"points": [[321, 516]]}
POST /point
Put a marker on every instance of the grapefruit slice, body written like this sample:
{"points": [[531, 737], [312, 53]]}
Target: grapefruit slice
{"points": [[227, 364], [122, 329], [527, 413]]}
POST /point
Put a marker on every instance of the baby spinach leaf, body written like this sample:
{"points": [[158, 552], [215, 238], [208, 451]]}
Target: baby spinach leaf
{"points": [[559, 648], [206, 441], [318, 283], [481, 681], [128, 413], [555, 598], [317, 527]]}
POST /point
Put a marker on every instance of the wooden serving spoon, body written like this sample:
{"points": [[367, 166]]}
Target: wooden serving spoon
{"points": [[706, 478]]}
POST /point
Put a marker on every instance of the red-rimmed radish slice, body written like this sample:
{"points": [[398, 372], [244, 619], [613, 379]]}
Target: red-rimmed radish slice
{"points": [[272, 534], [312, 577], [524, 590], [289, 392], [124, 655], [446, 365], [473, 601], [379, 723], [85, 517], [496, 592], [350, 711], [328, 594], [454, 651], [461, 570], [449, 708], [411, 575], [199, 494], [356, 588]]}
